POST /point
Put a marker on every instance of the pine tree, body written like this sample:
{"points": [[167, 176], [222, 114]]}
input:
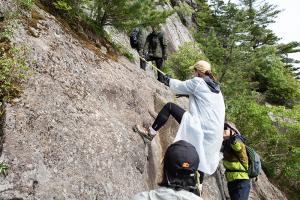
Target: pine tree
{"points": [[259, 15], [284, 50], [220, 32], [127, 14]]}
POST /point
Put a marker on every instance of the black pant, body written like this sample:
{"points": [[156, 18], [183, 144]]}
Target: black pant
{"points": [[163, 116], [142, 62], [159, 64]]}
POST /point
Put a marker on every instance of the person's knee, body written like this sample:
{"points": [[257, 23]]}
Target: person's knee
{"points": [[168, 105]]}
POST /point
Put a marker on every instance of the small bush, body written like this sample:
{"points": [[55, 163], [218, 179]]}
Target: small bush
{"points": [[62, 5], [13, 70], [274, 80], [179, 62], [3, 168]]}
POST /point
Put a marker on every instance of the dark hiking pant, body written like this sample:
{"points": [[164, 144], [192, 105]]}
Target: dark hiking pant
{"points": [[142, 64], [239, 189], [159, 64], [163, 116]]}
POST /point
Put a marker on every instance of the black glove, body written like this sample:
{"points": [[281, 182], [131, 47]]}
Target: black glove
{"points": [[147, 56], [181, 95], [166, 79], [141, 53]]}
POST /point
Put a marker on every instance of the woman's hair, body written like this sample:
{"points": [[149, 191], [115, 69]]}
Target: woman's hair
{"points": [[179, 182], [180, 166], [210, 75], [204, 67]]}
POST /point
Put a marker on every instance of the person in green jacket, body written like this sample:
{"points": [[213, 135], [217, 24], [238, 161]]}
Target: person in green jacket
{"points": [[235, 162], [180, 178], [155, 49]]}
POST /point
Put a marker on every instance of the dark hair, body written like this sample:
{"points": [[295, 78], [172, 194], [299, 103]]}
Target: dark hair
{"points": [[177, 182]]}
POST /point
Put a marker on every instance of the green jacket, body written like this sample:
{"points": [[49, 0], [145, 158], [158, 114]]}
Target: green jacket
{"points": [[156, 49], [235, 159]]}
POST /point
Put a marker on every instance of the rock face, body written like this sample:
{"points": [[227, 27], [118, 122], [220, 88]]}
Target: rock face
{"points": [[176, 33], [69, 136]]}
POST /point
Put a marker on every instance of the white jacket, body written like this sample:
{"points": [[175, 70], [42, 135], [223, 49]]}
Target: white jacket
{"points": [[163, 193], [203, 124]]}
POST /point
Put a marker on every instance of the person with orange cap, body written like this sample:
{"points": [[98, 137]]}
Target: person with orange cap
{"points": [[180, 176]]}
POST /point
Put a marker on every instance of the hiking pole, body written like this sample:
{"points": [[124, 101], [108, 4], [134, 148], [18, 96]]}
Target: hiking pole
{"points": [[152, 65]]}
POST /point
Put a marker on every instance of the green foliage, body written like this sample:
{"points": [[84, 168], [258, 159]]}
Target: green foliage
{"points": [[62, 5], [9, 30], [12, 65], [236, 40], [12, 72], [274, 80], [290, 48], [179, 62], [27, 4], [3, 168], [125, 15], [184, 9]]}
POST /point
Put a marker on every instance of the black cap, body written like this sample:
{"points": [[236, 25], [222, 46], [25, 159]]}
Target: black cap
{"points": [[181, 158]]}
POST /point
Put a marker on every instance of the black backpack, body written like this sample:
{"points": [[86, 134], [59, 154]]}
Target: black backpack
{"points": [[134, 38]]}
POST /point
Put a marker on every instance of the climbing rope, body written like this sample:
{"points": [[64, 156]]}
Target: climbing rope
{"points": [[152, 65]]}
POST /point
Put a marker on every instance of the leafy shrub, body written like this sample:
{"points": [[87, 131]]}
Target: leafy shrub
{"points": [[13, 70], [179, 62], [3, 168], [62, 5], [274, 80]]}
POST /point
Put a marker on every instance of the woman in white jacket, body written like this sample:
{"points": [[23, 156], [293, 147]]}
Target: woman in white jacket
{"points": [[203, 124]]}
